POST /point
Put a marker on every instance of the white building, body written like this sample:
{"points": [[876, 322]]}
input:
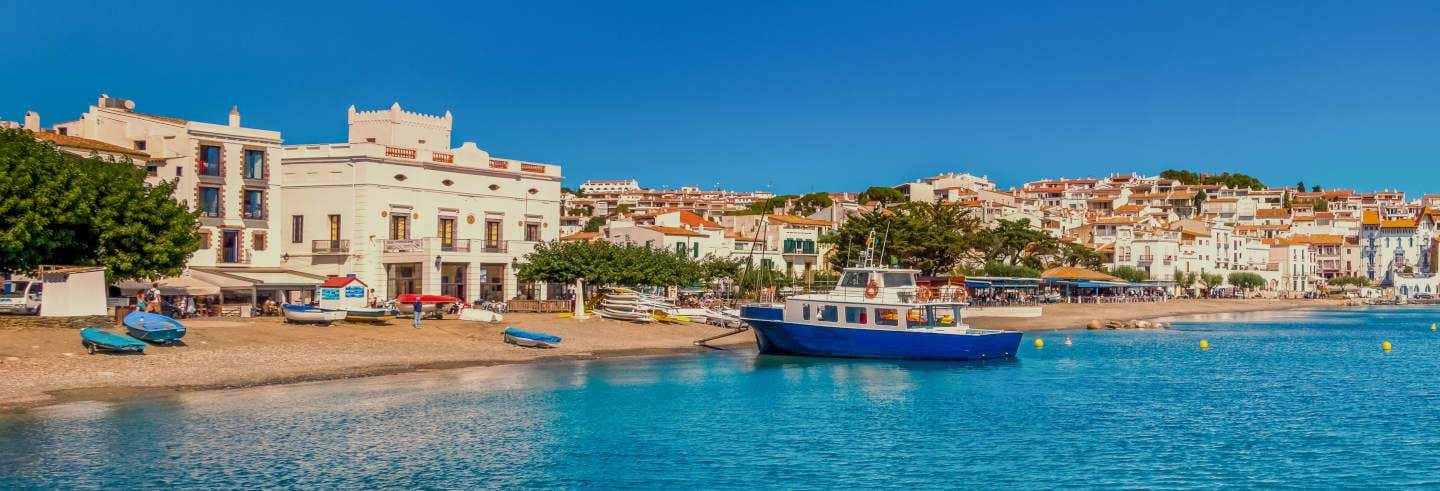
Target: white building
{"points": [[405, 212], [609, 186], [225, 171]]}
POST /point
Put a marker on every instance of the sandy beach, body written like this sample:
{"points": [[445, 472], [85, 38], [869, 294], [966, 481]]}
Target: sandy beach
{"points": [[47, 365]]}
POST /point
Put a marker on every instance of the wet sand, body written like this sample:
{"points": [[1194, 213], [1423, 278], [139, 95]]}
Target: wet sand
{"points": [[47, 365]]}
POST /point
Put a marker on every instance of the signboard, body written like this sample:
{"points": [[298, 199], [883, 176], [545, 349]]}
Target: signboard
{"points": [[329, 293], [354, 292]]}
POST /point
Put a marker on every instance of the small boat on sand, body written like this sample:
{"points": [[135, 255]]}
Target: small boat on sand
{"points": [[529, 339], [370, 315], [153, 327], [96, 340], [305, 314]]}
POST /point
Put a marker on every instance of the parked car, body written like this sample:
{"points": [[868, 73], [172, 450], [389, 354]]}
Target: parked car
{"points": [[21, 296]]}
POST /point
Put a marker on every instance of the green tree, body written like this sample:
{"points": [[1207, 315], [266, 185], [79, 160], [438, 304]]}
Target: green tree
{"points": [[882, 194], [1198, 200], [809, 204], [1130, 274], [1210, 281], [1348, 280], [58, 208], [1246, 281], [1233, 181], [1315, 188], [604, 263], [594, 224], [931, 237], [1080, 256], [1320, 204], [996, 268], [1185, 280], [1300, 186]]}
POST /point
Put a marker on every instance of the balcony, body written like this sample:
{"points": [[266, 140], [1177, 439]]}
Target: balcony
{"points": [[455, 245], [404, 153], [329, 246], [1147, 258]]}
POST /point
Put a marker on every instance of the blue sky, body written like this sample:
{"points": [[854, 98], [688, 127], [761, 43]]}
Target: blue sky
{"points": [[790, 96]]}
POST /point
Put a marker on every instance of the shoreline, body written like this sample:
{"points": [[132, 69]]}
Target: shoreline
{"points": [[242, 353]]}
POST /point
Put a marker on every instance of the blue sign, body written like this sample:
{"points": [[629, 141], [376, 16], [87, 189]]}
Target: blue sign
{"points": [[329, 293], [354, 292]]}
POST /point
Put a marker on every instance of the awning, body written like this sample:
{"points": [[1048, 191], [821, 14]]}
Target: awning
{"points": [[1089, 284], [185, 284], [225, 282], [275, 279]]}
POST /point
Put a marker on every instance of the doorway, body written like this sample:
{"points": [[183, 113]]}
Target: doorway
{"points": [[230, 246]]}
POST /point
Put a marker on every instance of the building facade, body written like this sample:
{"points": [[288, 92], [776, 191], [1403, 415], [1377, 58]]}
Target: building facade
{"points": [[405, 212]]}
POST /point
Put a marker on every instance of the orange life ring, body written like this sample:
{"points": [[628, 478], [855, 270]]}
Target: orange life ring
{"points": [[961, 294], [872, 289], [922, 295]]}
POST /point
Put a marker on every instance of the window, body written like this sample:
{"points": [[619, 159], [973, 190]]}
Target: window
{"points": [[254, 164], [855, 315], [139, 144], [334, 227], [696, 249], [532, 232], [179, 171], [399, 226], [210, 202], [204, 239], [257, 241], [805, 312], [829, 313], [887, 317], [446, 232], [297, 229], [857, 279], [152, 170], [492, 234], [899, 279], [680, 248], [209, 164], [254, 204]]}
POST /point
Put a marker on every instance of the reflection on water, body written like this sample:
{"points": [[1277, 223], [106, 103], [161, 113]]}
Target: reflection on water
{"points": [[1298, 398]]}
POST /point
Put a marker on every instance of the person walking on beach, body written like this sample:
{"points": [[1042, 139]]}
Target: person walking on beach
{"points": [[152, 298], [419, 310]]}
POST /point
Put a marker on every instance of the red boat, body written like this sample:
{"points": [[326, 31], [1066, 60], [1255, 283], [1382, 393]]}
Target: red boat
{"points": [[414, 297]]}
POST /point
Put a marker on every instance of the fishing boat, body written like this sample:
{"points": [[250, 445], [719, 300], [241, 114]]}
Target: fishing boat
{"points": [[370, 315], [153, 327], [877, 312], [97, 340], [305, 314], [529, 339]]}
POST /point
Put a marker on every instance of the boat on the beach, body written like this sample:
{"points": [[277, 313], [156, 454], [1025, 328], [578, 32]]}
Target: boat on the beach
{"points": [[480, 315], [305, 314], [877, 312], [530, 339], [370, 315], [153, 327], [97, 340], [416, 297]]}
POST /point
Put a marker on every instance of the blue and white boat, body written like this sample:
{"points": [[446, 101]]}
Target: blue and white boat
{"points": [[153, 327], [877, 312]]}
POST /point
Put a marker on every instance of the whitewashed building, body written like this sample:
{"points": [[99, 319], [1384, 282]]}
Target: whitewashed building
{"points": [[406, 212]]}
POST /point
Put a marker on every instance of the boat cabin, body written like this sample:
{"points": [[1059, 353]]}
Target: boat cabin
{"points": [[879, 298]]}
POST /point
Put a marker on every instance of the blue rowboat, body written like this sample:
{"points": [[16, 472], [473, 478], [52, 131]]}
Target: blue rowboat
{"points": [[96, 340], [305, 314], [530, 339], [154, 328]]}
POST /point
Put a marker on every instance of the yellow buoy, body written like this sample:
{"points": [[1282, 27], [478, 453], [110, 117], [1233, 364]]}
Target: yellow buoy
{"points": [[1204, 344], [1039, 343], [1385, 346], [1432, 326]]}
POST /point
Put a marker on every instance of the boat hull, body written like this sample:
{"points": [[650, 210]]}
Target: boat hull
{"points": [[97, 340], [776, 336], [378, 315], [153, 327], [312, 315]]}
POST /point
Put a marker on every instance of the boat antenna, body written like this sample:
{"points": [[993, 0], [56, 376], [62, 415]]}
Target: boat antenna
{"points": [[884, 241]]}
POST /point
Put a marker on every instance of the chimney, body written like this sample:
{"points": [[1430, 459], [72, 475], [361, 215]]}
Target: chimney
{"points": [[32, 121], [235, 116]]}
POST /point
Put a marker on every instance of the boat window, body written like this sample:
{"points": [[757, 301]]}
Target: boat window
{"points": [[899, 279], [829, 313], [855, 279], [946, 316], [855, 315], [805, 312], [917, 318], [887, 317]]}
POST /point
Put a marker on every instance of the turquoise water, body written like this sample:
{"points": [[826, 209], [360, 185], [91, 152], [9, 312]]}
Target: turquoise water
{"points": [[1300, 399]]}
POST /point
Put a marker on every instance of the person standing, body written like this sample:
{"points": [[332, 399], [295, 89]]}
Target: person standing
{"points": [[152, 298], [419, 310]]}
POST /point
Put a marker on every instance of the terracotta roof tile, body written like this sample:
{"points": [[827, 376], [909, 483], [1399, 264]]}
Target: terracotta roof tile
{"points": [[76, 142]]}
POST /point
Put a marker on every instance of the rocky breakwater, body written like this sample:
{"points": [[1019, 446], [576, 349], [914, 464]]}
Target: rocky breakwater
{"points": [[1130, 324]]}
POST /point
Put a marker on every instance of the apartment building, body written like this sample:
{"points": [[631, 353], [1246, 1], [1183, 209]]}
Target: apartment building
{"points": [[406, 212]]}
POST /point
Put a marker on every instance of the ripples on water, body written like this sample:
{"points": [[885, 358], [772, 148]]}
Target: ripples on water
{"points": [[1299, 399]]}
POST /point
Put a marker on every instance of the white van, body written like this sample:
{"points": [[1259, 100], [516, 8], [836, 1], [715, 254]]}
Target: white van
{"points": [[20, 295]]}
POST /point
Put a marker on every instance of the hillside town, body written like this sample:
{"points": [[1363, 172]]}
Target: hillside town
{"points": [[403, 208]]}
